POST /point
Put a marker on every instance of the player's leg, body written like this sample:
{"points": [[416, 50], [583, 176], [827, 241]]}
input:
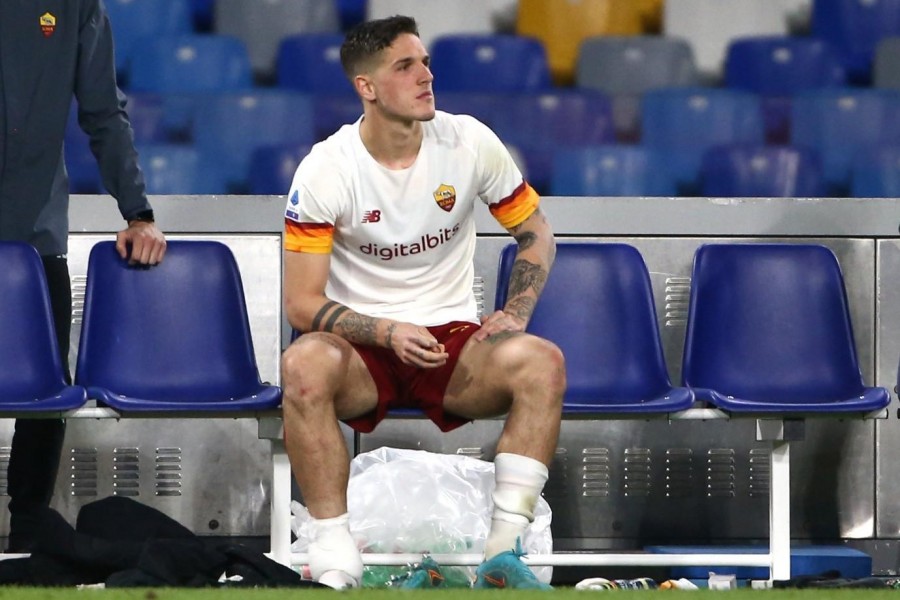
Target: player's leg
{"points": [[324, 380], [523, 376]]}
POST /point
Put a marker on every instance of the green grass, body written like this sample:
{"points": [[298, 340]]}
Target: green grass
{"points": [[22, 593]]}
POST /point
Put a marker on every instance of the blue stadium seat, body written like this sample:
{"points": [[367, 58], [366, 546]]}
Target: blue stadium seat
{"points": [[190, 63], [175, 337], [262, 25], [769, 331], [761, 171], [625, 67], [231, 126], [333, 111], [272, 168], [538, 124], [136, 22], [610, 170], [683, 123], [179, 169], [876, 173], [311, 62], [776, 67], [31, 369], [489, 63], [614, 357], [841, 123], [854, 28]]}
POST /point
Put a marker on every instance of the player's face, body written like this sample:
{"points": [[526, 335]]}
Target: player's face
{"points": [[402, 81]]}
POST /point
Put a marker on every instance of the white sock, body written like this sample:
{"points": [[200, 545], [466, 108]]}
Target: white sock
{"points": [[333, 556], [519, 482]]}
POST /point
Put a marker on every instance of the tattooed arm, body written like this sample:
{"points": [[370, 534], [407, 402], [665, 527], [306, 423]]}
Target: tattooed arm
{"points": [[309, 310], [535, 255]]}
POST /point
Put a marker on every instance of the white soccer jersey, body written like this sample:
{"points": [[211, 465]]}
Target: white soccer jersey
{"points": [[402, 242]]}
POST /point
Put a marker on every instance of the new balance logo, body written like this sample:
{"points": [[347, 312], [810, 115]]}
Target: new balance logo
{"points": [[371, 216]]}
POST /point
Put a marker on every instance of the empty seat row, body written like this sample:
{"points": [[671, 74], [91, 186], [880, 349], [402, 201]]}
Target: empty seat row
{"points": [[738, 355]]}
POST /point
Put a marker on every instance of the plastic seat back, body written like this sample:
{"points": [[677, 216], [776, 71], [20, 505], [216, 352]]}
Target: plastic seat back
{"points": [[557, 119], [190, 63], [610, 170], [31, 369], [231, 126], [841, 123], [854, 28], [135, 23], [876, 173], [709, 26], [563, 26], [614, 358], [272, 168], [761, 171], [172, 337], [488, 63], [624, 67], [769, 325], [311, 62], [777, 67], [179, 169], [886, 66], [683, 123], [262, 25]]}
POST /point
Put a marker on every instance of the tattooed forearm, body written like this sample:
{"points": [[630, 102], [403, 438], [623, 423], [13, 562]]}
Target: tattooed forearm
{"points": [[317, 320], [526, 239], [390, 335], [526, 276], [520, 307], [359, 328], [329, 326]]}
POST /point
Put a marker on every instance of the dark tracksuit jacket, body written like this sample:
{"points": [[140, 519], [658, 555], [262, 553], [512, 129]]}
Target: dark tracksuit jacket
{"points": [[50, 49]]}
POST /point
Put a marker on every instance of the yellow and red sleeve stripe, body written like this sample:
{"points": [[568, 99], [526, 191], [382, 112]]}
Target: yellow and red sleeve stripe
{"points": [[516, 207], [314, 238]]}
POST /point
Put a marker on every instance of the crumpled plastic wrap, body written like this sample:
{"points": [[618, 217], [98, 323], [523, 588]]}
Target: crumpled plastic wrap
{"points": [[422, 502]]}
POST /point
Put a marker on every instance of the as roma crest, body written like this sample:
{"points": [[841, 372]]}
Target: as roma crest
{"points": [[48, 24], [445, 196]]}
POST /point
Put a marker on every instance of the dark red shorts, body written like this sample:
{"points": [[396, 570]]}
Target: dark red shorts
{"points": [[405, 386]]}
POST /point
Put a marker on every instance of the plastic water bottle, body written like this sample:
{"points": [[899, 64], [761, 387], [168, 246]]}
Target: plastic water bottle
{"points": [[641, 583]]}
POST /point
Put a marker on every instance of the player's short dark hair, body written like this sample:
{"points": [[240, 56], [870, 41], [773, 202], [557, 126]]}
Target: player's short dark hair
{"points": [[367, 39]]}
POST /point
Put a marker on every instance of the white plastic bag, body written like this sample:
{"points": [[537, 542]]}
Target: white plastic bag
{"points": [[416, 501]]}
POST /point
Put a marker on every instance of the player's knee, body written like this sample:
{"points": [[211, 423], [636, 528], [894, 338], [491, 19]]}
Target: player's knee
{"points": [[533, 361], [309, 368]]}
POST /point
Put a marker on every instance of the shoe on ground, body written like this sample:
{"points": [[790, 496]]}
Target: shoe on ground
{"points": [[424, 575], [338, 580], [506, 570]]}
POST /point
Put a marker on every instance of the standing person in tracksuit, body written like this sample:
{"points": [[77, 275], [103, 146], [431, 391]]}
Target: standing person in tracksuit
{"points": [[50, 52]]}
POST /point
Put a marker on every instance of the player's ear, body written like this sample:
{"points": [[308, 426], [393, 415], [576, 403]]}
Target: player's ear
{"points": [[364, 87]]}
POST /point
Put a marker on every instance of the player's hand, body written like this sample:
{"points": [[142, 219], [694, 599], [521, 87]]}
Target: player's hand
{"points": [[496, 323], [415, 346], [147, 243]]}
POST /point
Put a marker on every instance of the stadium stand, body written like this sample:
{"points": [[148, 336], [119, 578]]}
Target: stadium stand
{"points": [[563, 26], [610, 170], [135, 23], [489, 63], [886, 64], [776, 67], [683, 123], [262, 25], [555, 119], [840, 123], [311, 62], [743, 170], [179, 169], [854, 28], [876, 173], [272, 167], [624, 67], [231, 126]]}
